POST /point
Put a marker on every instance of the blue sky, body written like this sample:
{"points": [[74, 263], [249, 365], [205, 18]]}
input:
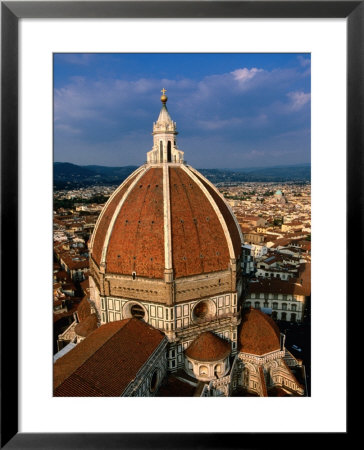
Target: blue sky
{"points": [[233, 110]]}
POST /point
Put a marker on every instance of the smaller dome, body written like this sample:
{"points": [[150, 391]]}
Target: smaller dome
{"points": [[259, 334], [279, 192], [208, 347]]}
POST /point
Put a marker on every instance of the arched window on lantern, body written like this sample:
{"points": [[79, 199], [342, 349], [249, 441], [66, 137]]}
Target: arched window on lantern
{"points": [[161, 151], [169, 152]]}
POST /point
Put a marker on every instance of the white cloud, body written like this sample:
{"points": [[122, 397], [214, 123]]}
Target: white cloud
{"points": [[67, 129], [298, 99], [219, 124], [304, 61], [243, 75], [253, 154], [96, 119]]}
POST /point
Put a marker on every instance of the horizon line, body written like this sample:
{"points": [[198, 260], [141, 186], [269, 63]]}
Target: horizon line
{"points": [[205, 168]]}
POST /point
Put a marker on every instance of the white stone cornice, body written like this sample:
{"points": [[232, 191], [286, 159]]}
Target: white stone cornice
{"points": [[117, 190], [142, 171], [222, 197], [167, 219], [261, 359], [215, 207]]}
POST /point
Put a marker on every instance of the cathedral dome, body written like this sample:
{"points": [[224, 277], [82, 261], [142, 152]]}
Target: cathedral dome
{"points": [[259, 334], [165, 224], [165, 216]]}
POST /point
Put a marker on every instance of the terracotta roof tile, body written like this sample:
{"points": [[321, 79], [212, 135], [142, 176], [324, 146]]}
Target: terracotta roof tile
{"points": [[136, 244], [107, 360], [275, 286], [85, 285], [229, 219], [137, 241], [208, 347], [84, 309], [87, 326], [198, 241], [105, 219], [258, 333]]}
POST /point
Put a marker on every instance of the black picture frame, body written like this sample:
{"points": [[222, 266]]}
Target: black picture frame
{"points": [[11, 13]]}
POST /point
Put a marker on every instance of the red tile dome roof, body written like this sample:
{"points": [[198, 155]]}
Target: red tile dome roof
{"points": [[165, 216], [208, 347], [258, 334]]}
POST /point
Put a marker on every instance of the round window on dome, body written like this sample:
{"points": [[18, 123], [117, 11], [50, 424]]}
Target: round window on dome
{"points": [[137, 311], [134, 309], [201, 310], [204, 309]]}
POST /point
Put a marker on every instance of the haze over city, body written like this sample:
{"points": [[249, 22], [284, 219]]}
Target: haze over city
{"points": [[233, 110]]}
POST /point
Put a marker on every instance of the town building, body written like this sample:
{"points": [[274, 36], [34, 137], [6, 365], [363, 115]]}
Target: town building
{"points": [[286, 299]]}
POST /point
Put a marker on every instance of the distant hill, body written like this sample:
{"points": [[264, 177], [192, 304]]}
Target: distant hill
{"points": [[294, 173], [70, 176]]}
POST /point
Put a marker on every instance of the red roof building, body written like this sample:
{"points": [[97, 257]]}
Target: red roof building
{"points": [[108, 361], [258, 334]]}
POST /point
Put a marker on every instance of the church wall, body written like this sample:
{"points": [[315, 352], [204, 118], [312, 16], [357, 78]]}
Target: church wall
{"points": [[95, 296], [175, 355], [178, 322], [160, 292], [206, 371], [169, 319], [246, 375], [281, 376], [157, 291], [139, 289], [151, 375], [207, 285], [96, 275]]}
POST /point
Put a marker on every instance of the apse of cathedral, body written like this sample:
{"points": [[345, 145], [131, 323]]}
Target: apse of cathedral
{"points": [[164, 314]]}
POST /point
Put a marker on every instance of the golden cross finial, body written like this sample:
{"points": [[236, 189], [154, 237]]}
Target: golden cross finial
{"points": [[163, 91]]}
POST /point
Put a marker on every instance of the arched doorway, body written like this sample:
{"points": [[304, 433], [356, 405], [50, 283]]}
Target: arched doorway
{"points": [[137, 311]]}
